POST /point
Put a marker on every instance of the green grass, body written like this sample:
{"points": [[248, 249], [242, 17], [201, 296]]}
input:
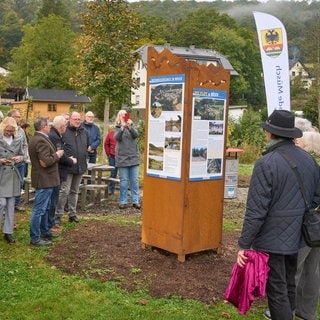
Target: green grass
{"points": [[245, 169], [31, 289]]}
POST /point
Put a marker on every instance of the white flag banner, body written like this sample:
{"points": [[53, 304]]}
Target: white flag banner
{"points": [[275, 61]]}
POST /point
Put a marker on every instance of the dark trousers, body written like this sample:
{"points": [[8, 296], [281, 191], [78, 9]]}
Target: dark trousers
{"points": [[281, 286]]}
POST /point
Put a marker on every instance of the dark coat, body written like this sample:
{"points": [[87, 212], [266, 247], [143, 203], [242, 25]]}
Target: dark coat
{"points": [[41, 148], [275, 205], [127, 150], [76, 142], [65, 162]]}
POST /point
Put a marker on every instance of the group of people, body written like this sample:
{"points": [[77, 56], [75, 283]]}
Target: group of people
{"points": [[59, 154], [273, 221]]}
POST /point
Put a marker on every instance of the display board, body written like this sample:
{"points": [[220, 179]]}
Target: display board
{"points": [[183, 188]]}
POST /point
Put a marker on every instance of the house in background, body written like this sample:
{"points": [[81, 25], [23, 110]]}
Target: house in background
{"points": [[50, 103], [201, 56], [4, 72], [298, 69]]}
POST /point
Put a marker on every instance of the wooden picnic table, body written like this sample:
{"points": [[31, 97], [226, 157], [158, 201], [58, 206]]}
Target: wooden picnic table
{"points": [[95, 183]]}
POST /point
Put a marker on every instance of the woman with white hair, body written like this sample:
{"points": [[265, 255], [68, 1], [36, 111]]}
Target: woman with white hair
{"points": [[11, 152]]}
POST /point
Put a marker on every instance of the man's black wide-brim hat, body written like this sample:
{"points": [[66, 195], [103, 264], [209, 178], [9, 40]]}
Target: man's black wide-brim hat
{"points": [[281, 124]]}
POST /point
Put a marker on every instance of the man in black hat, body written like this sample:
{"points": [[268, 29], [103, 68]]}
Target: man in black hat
{"points": [[275, 208]]}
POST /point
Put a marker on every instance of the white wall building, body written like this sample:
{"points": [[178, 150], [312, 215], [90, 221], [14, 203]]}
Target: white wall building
{"points": [[3, 71], [297, 69]]}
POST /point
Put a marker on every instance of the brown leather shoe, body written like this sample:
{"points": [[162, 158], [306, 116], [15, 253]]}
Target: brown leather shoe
{"points": [[137, 206], [122, 206]]}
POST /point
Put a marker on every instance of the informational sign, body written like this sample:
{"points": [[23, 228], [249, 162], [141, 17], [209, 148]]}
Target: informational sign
{"points": [[207, 134], [165, 126]]}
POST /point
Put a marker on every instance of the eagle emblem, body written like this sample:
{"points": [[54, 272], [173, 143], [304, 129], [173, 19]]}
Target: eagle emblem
{"points": [[272, 42]]}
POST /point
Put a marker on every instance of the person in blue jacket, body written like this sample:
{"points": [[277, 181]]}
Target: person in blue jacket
{"points": [[94, 136]]}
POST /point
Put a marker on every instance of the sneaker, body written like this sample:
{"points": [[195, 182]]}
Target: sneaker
{"points": [[41, 243], [74, 219], [49, 236], [267, 314]]}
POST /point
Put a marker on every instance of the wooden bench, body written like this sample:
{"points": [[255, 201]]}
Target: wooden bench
{"points": [[92, 188], [116, 180]]}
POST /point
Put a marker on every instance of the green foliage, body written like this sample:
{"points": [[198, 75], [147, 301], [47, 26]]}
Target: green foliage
{"points": [[55, 7], [109, 35], [47, 64], [210, 29], [141, 139], [247, 134]]}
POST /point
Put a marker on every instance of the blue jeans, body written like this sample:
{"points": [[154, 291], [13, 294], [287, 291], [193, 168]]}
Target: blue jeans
{"points": [[21, 166], [39, 215], [113, 173], [92, 157], [53, 206], [129, 174]]}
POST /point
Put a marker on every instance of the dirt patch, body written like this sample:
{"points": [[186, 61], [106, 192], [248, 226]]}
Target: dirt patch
{"points": [[109, 252]]}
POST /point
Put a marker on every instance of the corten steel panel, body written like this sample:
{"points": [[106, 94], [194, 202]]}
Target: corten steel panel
{"points": [[183, 217]]}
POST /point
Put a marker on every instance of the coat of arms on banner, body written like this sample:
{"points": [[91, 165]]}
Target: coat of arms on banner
{"points": [[272, 42]]}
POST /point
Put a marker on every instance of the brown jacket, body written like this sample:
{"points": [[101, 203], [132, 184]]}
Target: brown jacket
{"points": [[44, 162]]}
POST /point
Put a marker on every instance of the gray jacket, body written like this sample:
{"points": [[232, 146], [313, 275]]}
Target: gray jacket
{"points": [[275, 205], [127, 151], [9, 174]]}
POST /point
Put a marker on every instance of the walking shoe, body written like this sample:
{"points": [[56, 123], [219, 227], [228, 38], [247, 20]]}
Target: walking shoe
{"points": [[56, 228], [74, 219], [41, 243], [137, 205], [9, 238], [19, 208], [49, 236], [267, 314], [122, 205]]}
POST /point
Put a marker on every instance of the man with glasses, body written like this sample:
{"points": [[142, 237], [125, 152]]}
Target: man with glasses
{"points": [[21, 166], [76, 142], [94, 136], [44, 177]]}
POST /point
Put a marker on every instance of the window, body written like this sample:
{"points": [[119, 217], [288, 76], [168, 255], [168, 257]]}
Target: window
{"points": [[137, 99], [52, 107]]}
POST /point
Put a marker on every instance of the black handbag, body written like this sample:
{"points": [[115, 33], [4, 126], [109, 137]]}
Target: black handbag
{"points": [[311, 218]]}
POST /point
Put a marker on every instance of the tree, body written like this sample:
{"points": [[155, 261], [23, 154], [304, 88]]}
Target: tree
{"points": [[312, 53], [106, 45], [10, 33], [55, 7], [40, 63], [209, 29]]}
